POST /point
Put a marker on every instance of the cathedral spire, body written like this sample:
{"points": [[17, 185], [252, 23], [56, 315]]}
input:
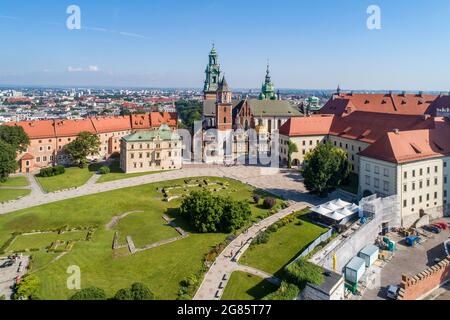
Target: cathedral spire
{"points": [[212, 75], [267, 89]]}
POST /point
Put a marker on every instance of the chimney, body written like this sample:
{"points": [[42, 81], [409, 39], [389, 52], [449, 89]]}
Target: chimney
{"points": [[426, 116], [396, 131]]}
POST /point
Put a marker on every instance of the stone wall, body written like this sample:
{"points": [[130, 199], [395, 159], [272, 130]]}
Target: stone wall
{"points": [[422, 284]]}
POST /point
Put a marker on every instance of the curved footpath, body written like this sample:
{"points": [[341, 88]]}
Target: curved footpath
{"points": [[217, 277], [284, 183]]}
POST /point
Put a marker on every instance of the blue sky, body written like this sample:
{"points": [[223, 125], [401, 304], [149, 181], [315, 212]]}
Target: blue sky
{"points": [[160, 43]]}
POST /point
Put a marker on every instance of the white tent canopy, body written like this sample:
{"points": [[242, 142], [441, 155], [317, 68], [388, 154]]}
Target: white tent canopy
{"points": [[336, 210]]}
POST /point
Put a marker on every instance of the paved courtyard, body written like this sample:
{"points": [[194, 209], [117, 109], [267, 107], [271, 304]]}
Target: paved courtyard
{"points": [[9, 274], [409, 261]]}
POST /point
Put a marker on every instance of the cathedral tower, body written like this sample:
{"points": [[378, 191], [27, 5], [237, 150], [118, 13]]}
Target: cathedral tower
{"points": [[224, 107], [267, 89], [212, 76]]}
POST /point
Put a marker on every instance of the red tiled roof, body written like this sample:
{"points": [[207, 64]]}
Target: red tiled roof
{"points": [[369, 127], [408, 104], [36, 129], [70, 128], [363, 126], [65, 128], [169, 118], [111, 124], [307, 126], [27, 156], [408, 146]]}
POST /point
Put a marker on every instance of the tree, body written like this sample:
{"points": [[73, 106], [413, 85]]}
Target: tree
{"points": [[235, 214], [209, 213], [189, 111], [8, 163], [292, 148], [326, 167], [203, 210], [138, 291], [84, 145], [15, 137], [26, 288], [91, 293]]}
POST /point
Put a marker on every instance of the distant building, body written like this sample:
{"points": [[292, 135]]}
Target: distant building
{"points": [[221, 112], [396, 143], [155, 150], [49, 137]]}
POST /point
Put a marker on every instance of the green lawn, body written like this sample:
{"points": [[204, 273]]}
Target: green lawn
{"points": [[41, 241], [244, 286], [15, 182], [73, 177], [353, 184], [118, 174], [161, 268], [13, 194], [283, 246], [137, 225]]}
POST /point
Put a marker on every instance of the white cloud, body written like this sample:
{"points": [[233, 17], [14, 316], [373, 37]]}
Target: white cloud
{"points": [[80, 69]]}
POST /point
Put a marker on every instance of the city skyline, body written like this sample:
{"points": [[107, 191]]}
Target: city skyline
{"points": [[122, 45]]}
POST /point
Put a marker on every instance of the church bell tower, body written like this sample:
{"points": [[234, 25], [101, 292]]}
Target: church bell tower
{"points": [[224, 107], [212, 76]]}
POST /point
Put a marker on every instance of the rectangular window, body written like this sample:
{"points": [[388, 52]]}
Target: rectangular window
{"points": [[405, 175], [376, 183], [386, 186], [405, 188], [368, 180], [386, 172], [405, 203], [377, 169], [367, 167]]}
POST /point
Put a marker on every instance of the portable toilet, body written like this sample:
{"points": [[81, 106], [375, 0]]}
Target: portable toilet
{"points": [[369, 254], [355, 270]]}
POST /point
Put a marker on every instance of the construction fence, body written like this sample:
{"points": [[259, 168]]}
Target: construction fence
{"points": [[341, 250]]}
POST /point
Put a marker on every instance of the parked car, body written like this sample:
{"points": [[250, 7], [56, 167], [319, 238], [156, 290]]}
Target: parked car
{"points": [[7, 264], [392, 292], [411, 241], [441, 225], [433, 229]]}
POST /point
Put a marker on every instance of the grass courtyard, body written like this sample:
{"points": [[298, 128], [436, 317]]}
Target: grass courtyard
{"points": [[19, 181], [244, 286], [283, 246], [73, 177], [161, 268], [13, 194]]}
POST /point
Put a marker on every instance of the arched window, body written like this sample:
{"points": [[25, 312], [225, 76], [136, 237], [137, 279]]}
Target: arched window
{"points": [[246, 124], [224, 119]]}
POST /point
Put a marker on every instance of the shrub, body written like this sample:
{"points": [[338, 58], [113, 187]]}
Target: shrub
{"points": [[256, 198], [52, 171], [287, 291], [26, 288], [269, 203], [302, 272], [104, 170], [91, 293], [261, 238]]}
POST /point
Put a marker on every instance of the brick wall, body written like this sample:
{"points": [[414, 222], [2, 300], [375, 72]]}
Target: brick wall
{"points": [[417, 287]]}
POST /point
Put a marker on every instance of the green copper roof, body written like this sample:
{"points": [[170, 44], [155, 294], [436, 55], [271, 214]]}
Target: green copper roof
{"points": [[267, 89], [164, 133], [277, 108]]}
